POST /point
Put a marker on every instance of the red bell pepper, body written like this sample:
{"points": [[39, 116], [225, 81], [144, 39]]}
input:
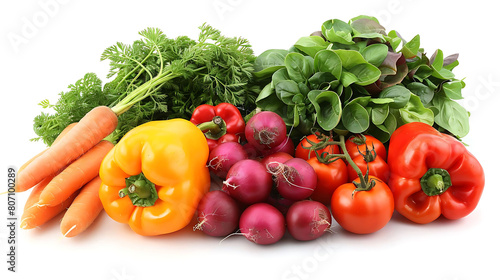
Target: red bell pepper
{"points": [[208, 119], [432, 174]]}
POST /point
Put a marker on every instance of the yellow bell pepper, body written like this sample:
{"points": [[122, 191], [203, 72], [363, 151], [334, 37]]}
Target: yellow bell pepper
{"points": [[154, 178]]}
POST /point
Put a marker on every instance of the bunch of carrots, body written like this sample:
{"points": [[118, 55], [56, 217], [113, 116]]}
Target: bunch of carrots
{"points": [[66, 175]]}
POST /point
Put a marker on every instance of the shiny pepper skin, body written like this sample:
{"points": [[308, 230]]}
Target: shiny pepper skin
{"points": [[170, 156]]}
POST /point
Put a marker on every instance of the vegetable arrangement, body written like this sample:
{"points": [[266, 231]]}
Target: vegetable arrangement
{"points": [[348, 125]]}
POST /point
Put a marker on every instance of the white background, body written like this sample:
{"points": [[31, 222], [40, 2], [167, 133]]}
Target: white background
{"points": [[57, 42]]}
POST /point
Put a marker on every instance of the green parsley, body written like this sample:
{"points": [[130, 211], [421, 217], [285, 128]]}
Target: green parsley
{"points": [[158, 78]]}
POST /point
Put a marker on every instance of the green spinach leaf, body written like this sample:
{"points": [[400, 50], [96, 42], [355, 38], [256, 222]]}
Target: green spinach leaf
{"points": [[269, 62], [414, 111], [375, 54], [299, 67], [450, 115], [379, 113], [328, 61], [410, 49], [337, 31], [398, 93], [453, 89], [311, 45], [286, 90], [424, 92], [328, 108], [355, 118]]}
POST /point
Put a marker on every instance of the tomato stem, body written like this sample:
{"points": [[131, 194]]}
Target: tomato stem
{"points": [[327, 158], [369, 155], [364, 185], [324, 141], [358, 139]]}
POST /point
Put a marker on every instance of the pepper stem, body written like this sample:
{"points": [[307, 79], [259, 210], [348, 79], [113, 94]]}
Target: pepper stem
{"points": [[213, 129], [435, 181], [140, 190]]}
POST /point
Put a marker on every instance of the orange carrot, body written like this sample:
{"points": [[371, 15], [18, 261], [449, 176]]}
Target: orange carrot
{"points": [[35, 215], [30, 161], [75, 176], [35, 193], [64, 132], [90, 130], [84, 209], [68, 128]]}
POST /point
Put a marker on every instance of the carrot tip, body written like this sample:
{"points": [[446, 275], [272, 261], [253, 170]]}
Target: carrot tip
{"points": [[3, 193], [43, 201], [24, 224], [72, 228]]}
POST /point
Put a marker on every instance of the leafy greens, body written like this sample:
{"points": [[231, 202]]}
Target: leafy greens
{"points": [[352, 77]]}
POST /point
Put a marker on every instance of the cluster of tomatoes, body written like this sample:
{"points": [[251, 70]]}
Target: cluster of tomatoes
{"points": [[356, 208]]}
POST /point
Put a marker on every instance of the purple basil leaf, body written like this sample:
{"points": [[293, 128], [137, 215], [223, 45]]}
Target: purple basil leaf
{"points": [[388, 66], [401, 72], [366, 26], [450, 59]]}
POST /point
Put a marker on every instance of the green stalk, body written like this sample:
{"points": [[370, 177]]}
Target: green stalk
{"points": [[145, 89], [363, 183], [435, 181], [325, 141], [214, 129], [139, 64], [140, 190], [142, 92]]}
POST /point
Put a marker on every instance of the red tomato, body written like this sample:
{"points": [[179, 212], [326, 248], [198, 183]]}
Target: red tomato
{"points": [[362, 212], [352, 147], [330, 177], [377, 168], [305, 154]]}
